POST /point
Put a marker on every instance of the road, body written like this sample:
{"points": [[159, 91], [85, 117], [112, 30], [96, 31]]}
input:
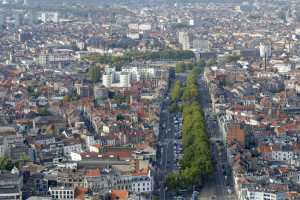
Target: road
{"points": [[166, 161], [218, 185], [165, 157]]}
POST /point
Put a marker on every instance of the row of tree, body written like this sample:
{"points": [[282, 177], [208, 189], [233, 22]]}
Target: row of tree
{"points": [[183, 67], [148, 55], [95, 73], [196, 163], [190, 91]]}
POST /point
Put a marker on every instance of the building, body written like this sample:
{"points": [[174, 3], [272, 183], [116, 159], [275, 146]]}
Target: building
{"points": [[72, 146], [260, 193], [100, 92], [82, 90], [49, 17], [142, 184], [63, 57], [235, 135], [202, 45], [184, 40], [62, 193], [124, 80], [97, 183], [11, 184], [107, 80], [265, 49]]}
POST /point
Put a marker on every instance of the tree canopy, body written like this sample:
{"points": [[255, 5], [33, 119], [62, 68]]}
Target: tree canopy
{"points": [[95, 74], [190, 91], [196, 162], [176, 92], [231, 58], [135, 55]]}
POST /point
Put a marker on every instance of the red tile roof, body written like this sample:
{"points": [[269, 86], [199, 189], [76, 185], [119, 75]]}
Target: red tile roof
{"points": [[93, 173], [119, 194]]}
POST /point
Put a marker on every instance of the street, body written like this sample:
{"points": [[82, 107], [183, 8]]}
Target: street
{"points": [[166, 161], [219, 185], [165, 152]]}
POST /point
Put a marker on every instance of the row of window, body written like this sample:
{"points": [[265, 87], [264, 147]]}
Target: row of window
{"points": [[138, 184], [62, 192], [148, 189]]}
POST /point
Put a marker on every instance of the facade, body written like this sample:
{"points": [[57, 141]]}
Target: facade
{"points": [[265, 49], [62, 193], [100, 92], [98, 184], [107, 80], [49, 17], [263, 195], [184, 40], [142, 184], [10, 185], [124, 80], [73, 147]]}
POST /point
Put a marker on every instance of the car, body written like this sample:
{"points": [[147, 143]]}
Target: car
{"points": [[229, 191]]}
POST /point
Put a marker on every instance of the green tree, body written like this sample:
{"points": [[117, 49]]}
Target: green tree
{"points": [[200, 63], [190, 91], [180, 67], [176, 92], [136, 55], [196, 162], [24, 157], [231, 58], [211, 62], [5, 163], [67, 98], [95, 74], [44, 111], [120, 117], [173, 181]]}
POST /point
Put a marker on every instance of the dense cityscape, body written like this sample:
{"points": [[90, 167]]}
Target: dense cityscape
{"points": [[149, 100]]}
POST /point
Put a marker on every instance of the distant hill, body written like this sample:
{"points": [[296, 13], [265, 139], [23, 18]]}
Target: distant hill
{"points": [[139, 1]]}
